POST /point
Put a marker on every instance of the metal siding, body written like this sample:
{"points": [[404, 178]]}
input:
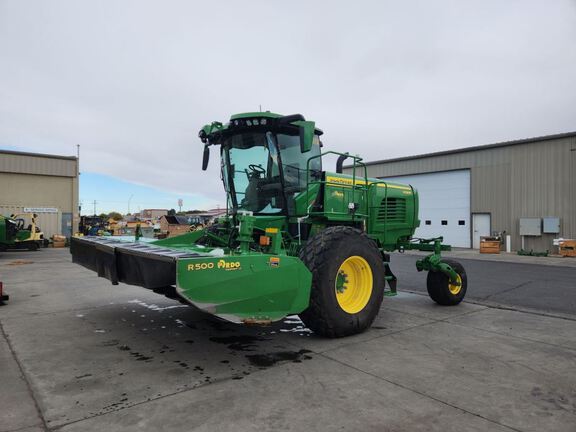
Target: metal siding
{"points": [[491, 191], [31, 164], [535, 179], [40, 181]]}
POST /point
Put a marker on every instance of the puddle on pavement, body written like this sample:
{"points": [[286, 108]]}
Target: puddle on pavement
{"points": [[270, 359], [183, 349], [168, 323], [239, 342]]}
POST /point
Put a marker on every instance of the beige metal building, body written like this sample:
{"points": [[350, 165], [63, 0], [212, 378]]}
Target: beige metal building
{"points": [[526, 188], [43, 184]]}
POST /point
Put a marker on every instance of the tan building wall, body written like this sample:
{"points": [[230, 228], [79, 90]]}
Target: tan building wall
{"points": [[41, 181]]}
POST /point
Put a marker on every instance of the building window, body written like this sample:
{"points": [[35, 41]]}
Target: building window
{"points": [[444, 222], [428, 222], [461, 222]]}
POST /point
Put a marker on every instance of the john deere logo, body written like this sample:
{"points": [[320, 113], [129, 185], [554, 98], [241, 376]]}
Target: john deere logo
{"points": [[228, 265]]}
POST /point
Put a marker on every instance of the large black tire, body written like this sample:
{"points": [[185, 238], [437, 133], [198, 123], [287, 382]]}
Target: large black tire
{"points": [[323, 255], [438, 285]]}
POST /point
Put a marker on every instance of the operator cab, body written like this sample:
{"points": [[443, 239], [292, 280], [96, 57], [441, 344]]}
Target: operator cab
{"points": [[262, 170], [265, 163]]}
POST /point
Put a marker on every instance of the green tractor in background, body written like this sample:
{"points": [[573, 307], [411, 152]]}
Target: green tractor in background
{"points": [[20, 231], [8, 232], [297, 238]]}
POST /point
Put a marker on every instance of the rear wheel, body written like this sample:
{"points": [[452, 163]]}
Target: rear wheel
{"points": [[347, 281], [442, 291]]}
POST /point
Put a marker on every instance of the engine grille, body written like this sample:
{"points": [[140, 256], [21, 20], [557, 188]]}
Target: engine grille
{"points": [[392, 210]]}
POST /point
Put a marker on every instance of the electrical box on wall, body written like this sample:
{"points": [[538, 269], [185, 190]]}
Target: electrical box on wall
{"points": [[530, 226], [551, 225]]}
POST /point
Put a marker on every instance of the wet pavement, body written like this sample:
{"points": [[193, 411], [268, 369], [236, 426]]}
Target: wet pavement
{"points": [[80, 354]]}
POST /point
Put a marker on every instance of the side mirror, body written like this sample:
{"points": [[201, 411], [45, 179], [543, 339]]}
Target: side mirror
{"points": [[306, 134], [205, 158], [306, 129]]}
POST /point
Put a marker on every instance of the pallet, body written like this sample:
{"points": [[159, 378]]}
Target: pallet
{"points": [[568, 248], [489, 247]]}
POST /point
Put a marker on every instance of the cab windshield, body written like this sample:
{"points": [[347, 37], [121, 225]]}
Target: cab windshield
{"points": [[263, 170]]}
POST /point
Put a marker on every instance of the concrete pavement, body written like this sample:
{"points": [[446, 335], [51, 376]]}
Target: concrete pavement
{"points": [[80, 354]]}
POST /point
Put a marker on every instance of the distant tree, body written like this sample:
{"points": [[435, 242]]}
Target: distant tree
{"points": [[115, 215], [171, 212], [103, 216]]}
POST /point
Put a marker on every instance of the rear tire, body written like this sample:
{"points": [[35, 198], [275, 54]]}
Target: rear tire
{"points": [[440, 290], [347, 281]]}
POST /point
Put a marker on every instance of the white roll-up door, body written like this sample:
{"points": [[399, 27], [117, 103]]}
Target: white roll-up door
{"points": [[444, 205]]}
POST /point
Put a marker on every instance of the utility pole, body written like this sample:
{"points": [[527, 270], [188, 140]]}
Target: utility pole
{"points": [[94, 207]]}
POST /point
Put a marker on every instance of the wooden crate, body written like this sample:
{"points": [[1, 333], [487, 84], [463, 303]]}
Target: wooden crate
{"points": [[568, 248], [490, 247]]}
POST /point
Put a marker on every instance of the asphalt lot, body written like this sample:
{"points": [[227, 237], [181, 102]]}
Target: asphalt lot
{"points": [[549, 289], [77, 354]]}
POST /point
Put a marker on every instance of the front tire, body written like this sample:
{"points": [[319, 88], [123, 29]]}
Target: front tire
{"points": [[347, 281], [441, 291]]}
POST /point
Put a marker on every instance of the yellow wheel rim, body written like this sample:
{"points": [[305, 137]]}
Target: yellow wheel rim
{"points": [[455, 289], [353, 284]]}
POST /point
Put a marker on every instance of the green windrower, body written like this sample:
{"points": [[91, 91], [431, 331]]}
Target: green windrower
{"points": [[297, 237]]}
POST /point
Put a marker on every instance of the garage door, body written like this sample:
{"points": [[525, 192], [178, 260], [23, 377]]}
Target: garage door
{"points": [[444, 205]]}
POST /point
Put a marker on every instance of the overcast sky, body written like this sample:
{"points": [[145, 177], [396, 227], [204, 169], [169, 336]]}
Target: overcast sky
{"points": [[133, 81]]}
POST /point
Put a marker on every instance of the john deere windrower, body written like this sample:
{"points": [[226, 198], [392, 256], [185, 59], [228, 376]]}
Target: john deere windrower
{"points": [[296, 239]]}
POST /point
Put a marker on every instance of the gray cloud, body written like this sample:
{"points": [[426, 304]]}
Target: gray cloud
{"points": [[133, 81]]}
